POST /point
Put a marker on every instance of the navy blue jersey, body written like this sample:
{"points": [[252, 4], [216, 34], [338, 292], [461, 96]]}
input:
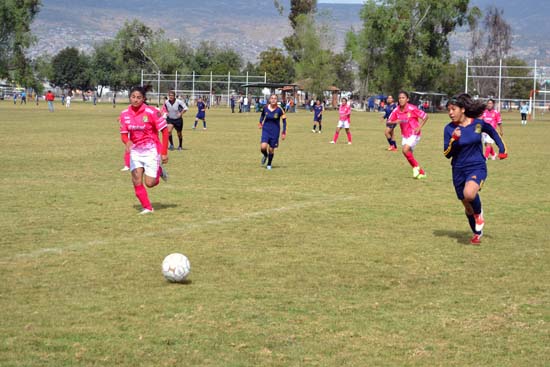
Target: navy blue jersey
{"points": [[468, 150], [202, 108], [317, 112], [272, 119], [388, 110]]}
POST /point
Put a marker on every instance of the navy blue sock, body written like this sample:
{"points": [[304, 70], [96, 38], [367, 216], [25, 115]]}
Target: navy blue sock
{"points": [[204, 124], [320, 126], [269, 159], [392, 142], [389, 141], [314, 127], [476, 204], [170, 139]]}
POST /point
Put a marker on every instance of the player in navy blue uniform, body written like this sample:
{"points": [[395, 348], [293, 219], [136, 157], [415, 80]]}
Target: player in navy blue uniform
{"points": [[463, 144], [390, 126], [201, 114], [317, 116], [270, 122]]}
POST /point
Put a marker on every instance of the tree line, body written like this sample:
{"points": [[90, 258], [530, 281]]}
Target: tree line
{"points": [[402, 44]]}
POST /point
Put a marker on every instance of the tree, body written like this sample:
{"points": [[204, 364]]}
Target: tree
{"points": [[315, 70], [278, 67], [490, 44], [70, 69], [297, 8], [16, 17], [343, 71], [405, 42]]}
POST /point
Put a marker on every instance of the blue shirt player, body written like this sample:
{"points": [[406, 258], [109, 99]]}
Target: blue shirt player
{"points": [[270, 122], [318, 110], [201, 114], [389, 132], [463, 144]]}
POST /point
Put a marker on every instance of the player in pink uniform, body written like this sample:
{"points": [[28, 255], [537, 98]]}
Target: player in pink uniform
{"points": [[492, 117], [411, 120], [139, 128], [343, 121]]}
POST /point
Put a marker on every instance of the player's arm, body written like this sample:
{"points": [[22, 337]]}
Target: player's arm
{"points": [[283, 116], [422, 121], [262, 119], [487, 128], [450, 139]]}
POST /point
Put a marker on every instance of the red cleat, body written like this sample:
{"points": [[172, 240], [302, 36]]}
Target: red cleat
{"points": [[476, 239], [480, 221]]}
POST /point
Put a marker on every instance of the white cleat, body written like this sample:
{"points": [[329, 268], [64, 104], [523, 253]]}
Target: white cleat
{"points": [[125, 168], [416, 172], [146, 211]]}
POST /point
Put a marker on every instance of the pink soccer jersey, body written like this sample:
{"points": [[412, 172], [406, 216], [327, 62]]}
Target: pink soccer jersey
{"points": [[143, 127], [492, 117], [345, 112], [408, 119]]}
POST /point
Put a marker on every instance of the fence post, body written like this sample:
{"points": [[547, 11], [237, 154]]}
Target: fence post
{"points": [[210, 98], [142, 77], [532, 105], [193, 83], [499, 83], [176, 84], [466, 82], [228, 87], [158, 86]]}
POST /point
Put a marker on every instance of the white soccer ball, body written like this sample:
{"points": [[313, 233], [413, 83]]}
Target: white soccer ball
{"points": [[176, 267]]}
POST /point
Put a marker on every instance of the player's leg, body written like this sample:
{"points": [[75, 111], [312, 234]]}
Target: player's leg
{"points": [[348, 133], [336, 134], [170, 128], [264, 149], [140, 191]]}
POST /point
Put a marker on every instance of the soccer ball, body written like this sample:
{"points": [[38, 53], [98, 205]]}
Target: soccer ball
{"points": [[176, 267]]}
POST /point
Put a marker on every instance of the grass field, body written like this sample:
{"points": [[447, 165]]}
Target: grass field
{"points": [[336, 257]]}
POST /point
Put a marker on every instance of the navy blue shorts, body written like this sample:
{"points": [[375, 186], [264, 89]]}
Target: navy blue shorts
{"points": [[200, 115], [178, 123], [271, 138], [463, 175], [391, 125], [318, 119]]}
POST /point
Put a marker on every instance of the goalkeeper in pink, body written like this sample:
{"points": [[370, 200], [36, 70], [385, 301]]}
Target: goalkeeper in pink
{"points": [[343, 121]]}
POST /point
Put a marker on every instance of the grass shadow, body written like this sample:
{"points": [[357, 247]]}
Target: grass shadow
{"points": [[461, 237], [157, 206]]}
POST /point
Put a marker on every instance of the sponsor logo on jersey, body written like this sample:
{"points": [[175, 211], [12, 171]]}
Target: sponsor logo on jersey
{"points": [[478, 128], [145, 118]]}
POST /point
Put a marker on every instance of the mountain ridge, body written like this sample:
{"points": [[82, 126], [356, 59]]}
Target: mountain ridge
{"points": [[249, 29]]}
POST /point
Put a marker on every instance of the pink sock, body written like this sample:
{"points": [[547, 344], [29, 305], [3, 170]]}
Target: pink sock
{"points": [[410, 158], [335, 136], [127, 159], [491, 150], [141, 194], [349, 136], [487, 151]]}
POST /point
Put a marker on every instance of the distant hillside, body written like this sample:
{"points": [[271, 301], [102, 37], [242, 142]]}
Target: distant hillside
{"points": [[249, 27]]}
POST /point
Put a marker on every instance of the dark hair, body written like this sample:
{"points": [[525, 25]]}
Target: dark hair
{"points": [[140, 89], [472, 108], [403, 92]]}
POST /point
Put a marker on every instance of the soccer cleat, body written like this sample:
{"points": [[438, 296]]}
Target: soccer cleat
{"points": [[480, 221], [349, 142], [146, 211], [476, 239], [493, 157], [319, 131], [333, 142], [416, 171], [264, 159], [421, 176], [180, 148], [393, 149], [269, 168], [125, 168], [171, 147], [313, 131], [163, 174]]}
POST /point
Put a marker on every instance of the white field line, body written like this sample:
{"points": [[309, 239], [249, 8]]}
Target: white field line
{"points": [[185, 228]]}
